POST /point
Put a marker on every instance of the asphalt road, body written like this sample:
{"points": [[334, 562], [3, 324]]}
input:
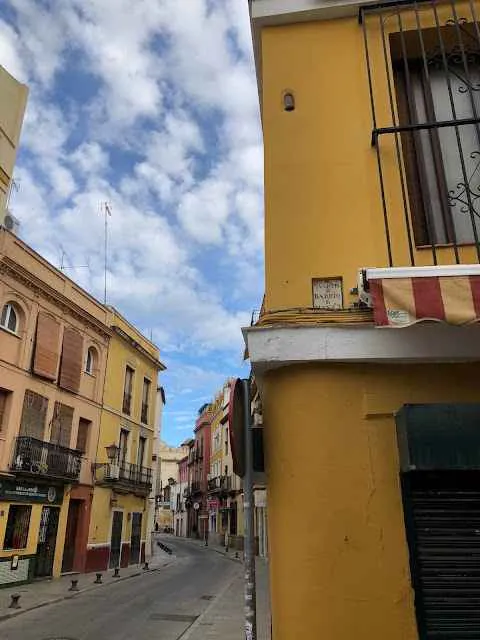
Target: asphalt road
{"points": [[159, 605]]}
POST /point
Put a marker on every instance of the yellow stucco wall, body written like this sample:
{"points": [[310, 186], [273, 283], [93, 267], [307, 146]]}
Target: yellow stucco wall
{"points": [[33, 531], [323, 212], [120, 354], [12, 108], [339, 559]]}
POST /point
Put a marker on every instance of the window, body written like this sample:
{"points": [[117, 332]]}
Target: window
{"points": [[145, 400], [440, 84], [226, 441], [62, 421], [82, 435], [127, 390], [9, 319], [16, 533], [142, 445], [34, 414], [91, 361], [123, 446], [4, 395]]}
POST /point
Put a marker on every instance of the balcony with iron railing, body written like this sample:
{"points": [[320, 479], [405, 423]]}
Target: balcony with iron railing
{"points": [[39, 458], [220, 484], [124, 477], [196, 487]]}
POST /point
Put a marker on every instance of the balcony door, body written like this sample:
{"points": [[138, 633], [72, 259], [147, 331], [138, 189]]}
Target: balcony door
{"points": [[123, 447]]}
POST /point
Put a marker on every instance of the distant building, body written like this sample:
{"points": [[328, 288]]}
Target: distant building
{"points": [[179, 498], [167, 477]]}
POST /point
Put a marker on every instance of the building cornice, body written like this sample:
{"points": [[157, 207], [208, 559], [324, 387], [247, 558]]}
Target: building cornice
{"points": [[138, 347], [11, 268], [272, 347]]}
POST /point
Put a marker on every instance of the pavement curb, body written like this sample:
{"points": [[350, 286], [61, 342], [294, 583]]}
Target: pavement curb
{"points": [[188, 632], [69, 596]]}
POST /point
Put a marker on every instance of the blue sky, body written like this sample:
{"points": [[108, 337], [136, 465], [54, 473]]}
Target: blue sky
{"points": [[152, 106]]}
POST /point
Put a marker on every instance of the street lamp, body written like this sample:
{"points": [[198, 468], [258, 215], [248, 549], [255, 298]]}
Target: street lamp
{"points": [[112, 452]]}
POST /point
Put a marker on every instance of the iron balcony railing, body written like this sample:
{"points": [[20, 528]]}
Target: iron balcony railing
{"points": [[423, 75], [196, 487], [219, 484], [41, 458], [126, 474]]}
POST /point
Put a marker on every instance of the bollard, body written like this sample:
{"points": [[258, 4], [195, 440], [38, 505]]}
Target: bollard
{"points": [[14, 604], [74, 586], [236, 555], [116, 572], [98, 579], [145, 566]]}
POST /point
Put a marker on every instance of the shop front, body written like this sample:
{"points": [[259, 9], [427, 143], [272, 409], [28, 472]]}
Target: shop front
{"points": [[32, 529]]}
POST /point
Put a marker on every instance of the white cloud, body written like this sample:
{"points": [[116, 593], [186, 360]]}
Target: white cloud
{"points": [[168, 134]]}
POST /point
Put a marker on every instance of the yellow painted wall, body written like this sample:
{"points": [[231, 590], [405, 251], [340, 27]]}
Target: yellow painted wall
{"points": [[12, 108], [322, 196], [101, 524], [33, 531], [120, 354], [338, 553]]}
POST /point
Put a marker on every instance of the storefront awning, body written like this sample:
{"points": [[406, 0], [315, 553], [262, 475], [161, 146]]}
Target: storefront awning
{"points": [[403, 296]]}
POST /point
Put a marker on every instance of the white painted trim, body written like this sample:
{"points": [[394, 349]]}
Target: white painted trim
{"points": [[287, 11], [97, 545], [279, 346], [423, 272]]}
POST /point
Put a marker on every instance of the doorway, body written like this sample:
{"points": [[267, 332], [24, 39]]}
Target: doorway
{"points": [[136, 538], [47, 538], [116, 539], [74, 510]]}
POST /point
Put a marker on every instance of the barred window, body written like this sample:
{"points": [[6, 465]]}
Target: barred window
{"points": [[16, 533]]}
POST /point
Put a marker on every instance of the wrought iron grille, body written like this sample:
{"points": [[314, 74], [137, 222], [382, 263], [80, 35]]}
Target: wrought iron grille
{"points": [[37, 457], [423, 68], [135, 474]]}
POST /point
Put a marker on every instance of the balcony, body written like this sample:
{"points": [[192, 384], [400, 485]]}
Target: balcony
{"points": [[196, 487], [39, 458], [125, 477], [220, 484]]}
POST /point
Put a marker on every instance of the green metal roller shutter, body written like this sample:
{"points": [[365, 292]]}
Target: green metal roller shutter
{"points": [[443, 526]]}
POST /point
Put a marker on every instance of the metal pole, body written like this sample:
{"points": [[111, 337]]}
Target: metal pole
{"points": [[250, 594]]}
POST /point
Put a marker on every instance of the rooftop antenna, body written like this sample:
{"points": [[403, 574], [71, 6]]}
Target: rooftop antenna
{"points": [[105, 206]]}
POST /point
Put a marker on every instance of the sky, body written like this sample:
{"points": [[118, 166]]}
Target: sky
{"points": [[151, 106]]}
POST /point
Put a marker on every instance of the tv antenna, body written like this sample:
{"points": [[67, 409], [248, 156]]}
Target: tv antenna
{"points": [[107, 211], [13, 186], [63, 266]]}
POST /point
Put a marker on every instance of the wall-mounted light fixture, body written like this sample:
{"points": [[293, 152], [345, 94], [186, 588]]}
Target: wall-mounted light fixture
{"points": [[288, 101]]}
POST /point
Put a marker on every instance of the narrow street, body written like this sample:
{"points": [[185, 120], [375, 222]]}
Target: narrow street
{"points": [[162, 604]]}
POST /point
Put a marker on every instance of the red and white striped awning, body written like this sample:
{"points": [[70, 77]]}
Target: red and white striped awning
{"points": [[403, 296]]}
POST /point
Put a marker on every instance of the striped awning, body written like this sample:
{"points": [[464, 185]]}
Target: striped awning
{"points": [[402, 297]]}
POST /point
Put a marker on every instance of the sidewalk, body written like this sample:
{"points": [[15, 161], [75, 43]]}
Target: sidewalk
{"points": [[224, 617], [43, 592]]}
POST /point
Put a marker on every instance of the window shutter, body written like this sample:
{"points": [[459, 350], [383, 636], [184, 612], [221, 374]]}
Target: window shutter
{"points": [[62, 425], [45, 361], [34, 414], [71, 364]]}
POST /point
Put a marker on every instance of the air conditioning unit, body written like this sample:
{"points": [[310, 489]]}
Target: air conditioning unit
{"points": [[9, 222], [112, 472]]}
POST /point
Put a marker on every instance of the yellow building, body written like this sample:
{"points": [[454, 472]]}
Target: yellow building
{"points": [[371, 137], [53, 348], [123, 475], [224, 502], [12, 108]]}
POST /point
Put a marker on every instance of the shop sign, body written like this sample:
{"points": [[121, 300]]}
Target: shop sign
{"points": [[327, 293], [212, 505], [21, 491]]}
